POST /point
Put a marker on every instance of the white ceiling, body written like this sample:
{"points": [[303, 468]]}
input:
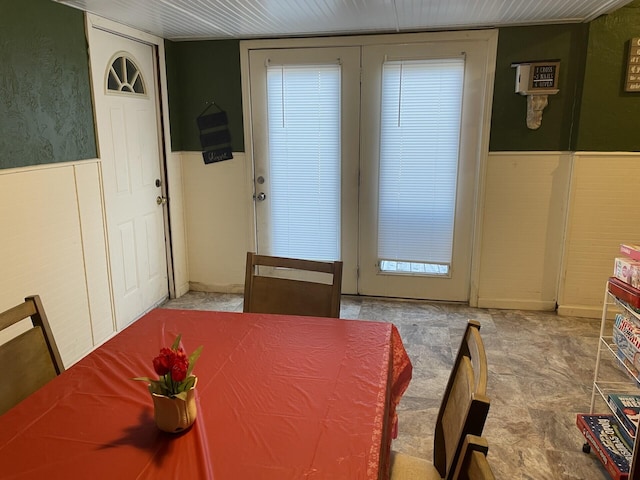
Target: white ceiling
{"points": [[223, 19]]}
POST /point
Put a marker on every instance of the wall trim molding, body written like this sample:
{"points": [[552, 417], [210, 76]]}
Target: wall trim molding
{"points": [[47, 166]]}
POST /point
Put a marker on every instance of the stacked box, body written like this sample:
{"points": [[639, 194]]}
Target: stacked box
{"points": [[626, 334], [626, 408], [602, 432], [627, 270], [625, 293], [630, 250]]}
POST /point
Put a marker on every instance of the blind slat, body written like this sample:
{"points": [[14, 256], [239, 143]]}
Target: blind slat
{"points": [[304, 152], [419, 144]]}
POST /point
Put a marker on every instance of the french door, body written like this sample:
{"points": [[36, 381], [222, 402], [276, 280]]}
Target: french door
{"points": [[305, 115], [404, 151]]}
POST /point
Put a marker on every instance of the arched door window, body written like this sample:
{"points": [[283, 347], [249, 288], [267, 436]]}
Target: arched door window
{"points": [[124, 76]]}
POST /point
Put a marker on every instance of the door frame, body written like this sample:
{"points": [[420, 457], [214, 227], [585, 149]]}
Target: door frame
{"points": [[490, 36], [162, 107]]}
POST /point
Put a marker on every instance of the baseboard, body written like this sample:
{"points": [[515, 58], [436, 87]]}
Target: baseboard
{"points": [[514, 304], [580, 311], [182, 289], [201, 287]]}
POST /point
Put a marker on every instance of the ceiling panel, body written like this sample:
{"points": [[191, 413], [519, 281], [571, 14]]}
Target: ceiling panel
{"points": [[219, 19]]}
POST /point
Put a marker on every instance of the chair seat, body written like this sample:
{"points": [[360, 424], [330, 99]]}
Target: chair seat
{"points": [[408, 467]]}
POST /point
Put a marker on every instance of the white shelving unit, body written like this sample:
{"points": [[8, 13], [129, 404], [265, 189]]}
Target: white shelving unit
{"points": [[602, 387]]}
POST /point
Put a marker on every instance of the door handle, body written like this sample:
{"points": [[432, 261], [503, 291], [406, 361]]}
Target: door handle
{"points": [[260, 197], [161, 200]]}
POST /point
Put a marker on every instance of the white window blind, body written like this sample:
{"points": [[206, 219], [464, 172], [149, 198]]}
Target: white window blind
{"points": [[419, 144], [304, 155]]}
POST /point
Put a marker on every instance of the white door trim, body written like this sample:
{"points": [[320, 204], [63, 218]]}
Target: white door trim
{"points": [[94, 21]]}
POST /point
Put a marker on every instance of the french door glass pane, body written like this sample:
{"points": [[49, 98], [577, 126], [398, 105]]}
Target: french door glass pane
{"points": [[419, 144], [304, 153]]}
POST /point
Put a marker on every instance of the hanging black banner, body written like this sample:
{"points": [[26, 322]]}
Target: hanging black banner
{"points": [[215, 138]]}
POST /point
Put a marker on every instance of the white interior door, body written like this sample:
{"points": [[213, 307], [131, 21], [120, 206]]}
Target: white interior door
{"points": [[424, 110], [305, 116], [125, 97]]}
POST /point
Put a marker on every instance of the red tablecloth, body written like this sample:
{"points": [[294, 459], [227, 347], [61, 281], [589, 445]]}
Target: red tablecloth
{"points": [[279, 397]]}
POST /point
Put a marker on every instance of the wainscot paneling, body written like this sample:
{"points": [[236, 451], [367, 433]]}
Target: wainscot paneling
{"points": [[46, 228], [218, 208], [522, 223], [602, 214]]}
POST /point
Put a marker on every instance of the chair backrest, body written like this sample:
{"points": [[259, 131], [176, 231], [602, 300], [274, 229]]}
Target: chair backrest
{"points": [[270, 294], [464, 405], [31, 358], [473, 464]]}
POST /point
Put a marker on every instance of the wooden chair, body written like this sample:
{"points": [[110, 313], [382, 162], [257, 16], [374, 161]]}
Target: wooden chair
{"points": [[30, 359], [473, 464], [463, 411], [269, 294]]}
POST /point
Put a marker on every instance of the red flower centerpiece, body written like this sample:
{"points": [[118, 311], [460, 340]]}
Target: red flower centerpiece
{"points": [[174, 392]]}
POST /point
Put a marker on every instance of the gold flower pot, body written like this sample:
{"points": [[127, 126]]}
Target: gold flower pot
{"points": [[173, 414]]}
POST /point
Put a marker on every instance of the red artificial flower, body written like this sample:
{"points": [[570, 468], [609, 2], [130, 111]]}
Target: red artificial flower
{"points": [[174, 368], [162, 363], [179, 370]]}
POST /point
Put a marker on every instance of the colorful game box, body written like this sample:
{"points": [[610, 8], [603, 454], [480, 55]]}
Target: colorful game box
{"points": [[602, 432], [624, 292], [627, 270], [626, 408], [626, 336], [630, 250]]}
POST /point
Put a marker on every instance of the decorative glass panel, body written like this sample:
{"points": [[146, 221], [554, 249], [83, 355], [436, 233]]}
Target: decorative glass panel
{"points": [[124, 76]]}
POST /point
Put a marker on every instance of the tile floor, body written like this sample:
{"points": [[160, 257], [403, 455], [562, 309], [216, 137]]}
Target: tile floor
{"points": [[541, 370]]}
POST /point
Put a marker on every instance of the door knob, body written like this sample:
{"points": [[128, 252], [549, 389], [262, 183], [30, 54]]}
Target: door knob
{"points": [[161, 200], [260, 197]]}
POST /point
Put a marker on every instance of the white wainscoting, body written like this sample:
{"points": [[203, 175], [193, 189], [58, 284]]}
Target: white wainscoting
{"points": [[522, 225], [603, 213], [53, 244], [219, 219]]}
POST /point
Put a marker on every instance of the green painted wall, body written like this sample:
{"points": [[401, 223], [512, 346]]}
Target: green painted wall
{"points": [[201, 72], [46, 114], [195, 77], [609, 116], [45, 98], [509, 130]]}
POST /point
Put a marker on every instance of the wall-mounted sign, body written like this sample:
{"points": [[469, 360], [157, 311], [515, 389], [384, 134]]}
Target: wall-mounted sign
{"points": [[214, 135], [632, 81], [537, 78]]}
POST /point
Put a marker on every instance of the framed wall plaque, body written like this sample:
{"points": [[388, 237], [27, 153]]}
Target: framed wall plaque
{"points": [[632, 80]]}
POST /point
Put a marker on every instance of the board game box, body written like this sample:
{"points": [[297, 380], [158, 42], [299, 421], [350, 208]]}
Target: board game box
{"points": [[602, 432], [626, 408], [626, 335], [627, 270], [631, 250], [624, 292]]}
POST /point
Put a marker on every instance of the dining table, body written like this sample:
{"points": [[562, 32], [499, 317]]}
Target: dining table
{"points": [[278, 397]]}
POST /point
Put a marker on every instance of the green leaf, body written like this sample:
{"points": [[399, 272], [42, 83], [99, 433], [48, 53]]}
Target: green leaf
{"points": [[156, 387], [176, 342], [193, 358], [144, 379], [187, 383]]}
